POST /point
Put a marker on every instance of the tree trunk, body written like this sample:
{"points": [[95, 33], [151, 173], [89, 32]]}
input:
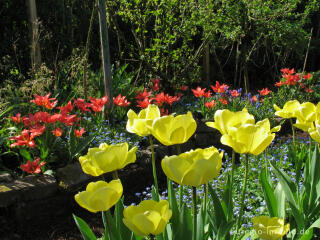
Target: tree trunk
{"points": [[105, 52], [235, 79], [206, 60], [87, 52], [35, 53], [244, 50]]}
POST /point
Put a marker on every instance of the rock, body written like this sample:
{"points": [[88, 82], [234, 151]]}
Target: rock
{"points": [[26, 189], [72, 178], [5, 177], [143, 157]]}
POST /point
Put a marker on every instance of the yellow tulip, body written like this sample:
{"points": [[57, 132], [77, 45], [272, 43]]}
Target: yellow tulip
{"points": [[289, 110], [107, 158], [149, 217], [314, 131], [193, 168], [306, 114], [250, 138], [225, 119], [100, 196], [138, 124], [270, 228], [170, 130]]}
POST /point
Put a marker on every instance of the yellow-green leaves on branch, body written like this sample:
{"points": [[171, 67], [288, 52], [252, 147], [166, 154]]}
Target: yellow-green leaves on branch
{"points": [[193, 168], [100, 196], [149, 217], [250, 138], [139, 124], [270, 228], [107, 158], [225, 119], [170, 130]]}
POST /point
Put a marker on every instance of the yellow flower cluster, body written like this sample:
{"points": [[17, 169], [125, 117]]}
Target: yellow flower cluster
{"points": [[240, 131], [192, 168], [307, 116]]}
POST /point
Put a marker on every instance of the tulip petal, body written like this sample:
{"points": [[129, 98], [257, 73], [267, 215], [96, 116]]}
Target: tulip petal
{"points": [[100, 196], [193, 168], [170, 130], [174, 168], [134, 228], [149, 217], [201, 172]]}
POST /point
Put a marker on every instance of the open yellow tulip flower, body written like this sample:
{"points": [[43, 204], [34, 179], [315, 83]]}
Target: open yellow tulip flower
{"points": [[149, 217], [107, 158], [225, 119], [170, 130], [250, 138], [100, 196], [306, 115], [289, 110], [314, 131], [193, 168], [138, 124], [270, 228]]}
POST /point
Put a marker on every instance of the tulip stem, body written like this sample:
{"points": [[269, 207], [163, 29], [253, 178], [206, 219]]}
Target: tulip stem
{"points": [[181, 186], [154, 170], [106, 224], [115, 175], [239, 220], [231, 184], [293, 133], [194, 199], [205, 189]]}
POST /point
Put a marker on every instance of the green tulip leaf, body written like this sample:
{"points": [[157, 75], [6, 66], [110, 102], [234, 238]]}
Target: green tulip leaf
{"points": [[82, 145], [288, 185], [298, 217], [227, 203], [281, 201], [125, 233], [173, 205], [307, 235], [25, 153], [85, 230], [309, 232], [269, 195], [314, 177], [200, 223], [225, 230], [219, 213], [184, 230], [154, 194]]}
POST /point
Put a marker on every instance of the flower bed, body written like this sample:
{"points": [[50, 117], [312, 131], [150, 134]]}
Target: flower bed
{"points": [[194, 168]]}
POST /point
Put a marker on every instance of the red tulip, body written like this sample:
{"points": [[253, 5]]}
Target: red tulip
{"points": [[79, 133], [17, 118], [210, 104], [198, 92], [219, 88], [98, 103], [121, 101], [264, 92], [57, 132], [45, 101], [32, 167], [25, 139]]}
